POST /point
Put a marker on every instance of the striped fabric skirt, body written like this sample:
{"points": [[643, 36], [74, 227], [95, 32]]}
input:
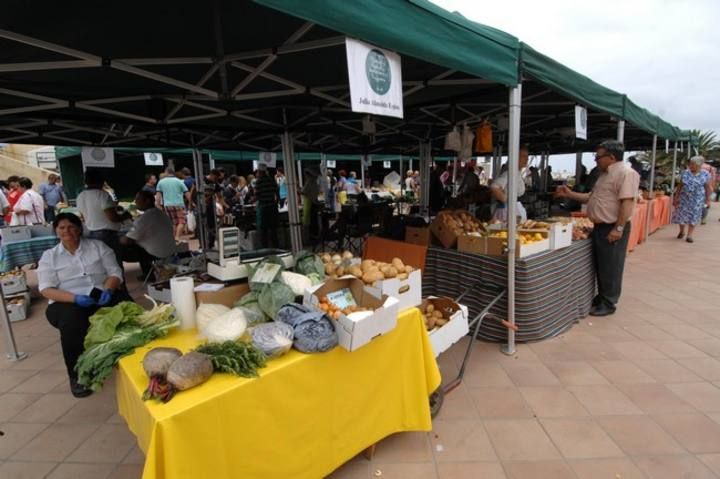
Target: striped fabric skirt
{"points": [[553, 289]]}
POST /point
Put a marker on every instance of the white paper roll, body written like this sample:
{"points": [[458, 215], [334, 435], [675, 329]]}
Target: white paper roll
{"points": [[183, 298]]}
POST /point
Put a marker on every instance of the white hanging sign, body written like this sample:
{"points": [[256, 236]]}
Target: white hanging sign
{"points": [[269, 158], [387, 165], [330, 164], [153, 159], [375, 79], [93, 157], [581, 122], [366, 160]]}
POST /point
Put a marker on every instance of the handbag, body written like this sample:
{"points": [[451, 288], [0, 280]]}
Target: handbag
{"points": [[191, 221]]}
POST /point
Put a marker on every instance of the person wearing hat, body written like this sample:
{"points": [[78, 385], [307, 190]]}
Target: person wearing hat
{"points": [[266, 195]]}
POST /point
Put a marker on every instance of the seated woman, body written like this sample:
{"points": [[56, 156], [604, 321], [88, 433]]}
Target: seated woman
{"points": [[78, 276], [151, 236]]}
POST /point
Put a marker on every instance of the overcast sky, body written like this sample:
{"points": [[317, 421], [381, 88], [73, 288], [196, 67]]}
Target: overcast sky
{"points": [[663, 54]]}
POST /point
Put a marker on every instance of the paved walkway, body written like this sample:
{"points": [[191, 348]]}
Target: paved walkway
{"points": [[635, 395]]}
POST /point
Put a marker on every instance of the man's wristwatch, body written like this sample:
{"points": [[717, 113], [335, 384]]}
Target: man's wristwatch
{"points": [[619, 229]]}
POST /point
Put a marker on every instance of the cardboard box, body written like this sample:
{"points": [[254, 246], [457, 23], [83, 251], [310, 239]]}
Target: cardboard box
{"points": [[407, 291], [443, 233], [14, 233], [353, 334], [13, 282], [17, 306], [443, 337], [419, 236], [227, 296], [495, 246], [472, 244], [560, 235]]}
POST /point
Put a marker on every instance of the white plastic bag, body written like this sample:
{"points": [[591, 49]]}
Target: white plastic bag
{"points": [[191, 221], [453, 141]]}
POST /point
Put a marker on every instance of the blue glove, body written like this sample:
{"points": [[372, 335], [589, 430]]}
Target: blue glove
{"points": [[84, 301], [105, 297]]}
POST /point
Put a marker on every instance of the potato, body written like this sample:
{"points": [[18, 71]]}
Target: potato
{"points": [[385, 270], [378, 276], [347, 255], [398, 263], [340, 271], [330, 268], [190, 370], [326, 258], [356, 271], [391, 272], [402, 276], [408, 269], [368, 278], [430, 308], [441, 322], [437, 314]]}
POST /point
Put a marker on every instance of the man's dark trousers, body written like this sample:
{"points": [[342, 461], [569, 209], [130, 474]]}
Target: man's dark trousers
{"points": [[609, 263]]}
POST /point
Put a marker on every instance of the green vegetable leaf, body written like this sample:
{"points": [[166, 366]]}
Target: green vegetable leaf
{"points": [[234, 357], [106, 320]]}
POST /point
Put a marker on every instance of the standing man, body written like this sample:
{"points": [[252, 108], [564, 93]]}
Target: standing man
{"points": [[266, 192], [52, 193], [174, 193], [13, 196], [610, 207], [150, 182]]}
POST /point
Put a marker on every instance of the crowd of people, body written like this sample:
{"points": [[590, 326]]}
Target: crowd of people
{"points": [[20, 204]]}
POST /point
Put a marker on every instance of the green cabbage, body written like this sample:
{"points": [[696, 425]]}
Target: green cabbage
{"points": [[273, 297], [308, 263]]}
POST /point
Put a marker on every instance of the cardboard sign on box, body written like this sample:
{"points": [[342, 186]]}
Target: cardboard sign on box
{"points": [[456, 328], [353, 334], [407, 291]]}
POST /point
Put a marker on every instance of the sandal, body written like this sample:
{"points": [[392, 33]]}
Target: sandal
{"points": [[690, 240], [680, 235]]}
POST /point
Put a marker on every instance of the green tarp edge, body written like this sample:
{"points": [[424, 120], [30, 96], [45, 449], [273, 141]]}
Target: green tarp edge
{"points": [[416, 28]]}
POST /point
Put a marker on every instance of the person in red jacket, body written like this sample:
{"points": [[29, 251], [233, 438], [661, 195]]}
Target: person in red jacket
{"points": [[13, 195]]}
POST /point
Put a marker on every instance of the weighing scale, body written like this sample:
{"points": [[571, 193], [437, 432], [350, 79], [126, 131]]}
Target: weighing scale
{"points": [[233, 263]]}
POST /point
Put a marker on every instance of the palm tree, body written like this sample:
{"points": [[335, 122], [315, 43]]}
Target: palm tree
{"points": [[707, 146]]}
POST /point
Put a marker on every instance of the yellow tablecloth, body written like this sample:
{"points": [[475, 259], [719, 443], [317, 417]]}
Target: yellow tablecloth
{"points": [[305, 416]]}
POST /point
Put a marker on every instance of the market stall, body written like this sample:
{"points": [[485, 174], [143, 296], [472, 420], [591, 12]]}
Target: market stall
{"points": [[16, 254], [554, 289], [304, 416]]}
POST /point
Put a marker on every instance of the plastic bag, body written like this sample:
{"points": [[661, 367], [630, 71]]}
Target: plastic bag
{"points": [[263, 273], [314, 331], [252, 316], [453, 142], [250, 302], [274, 339], [273, 297], [191, 221], [308, 263]]}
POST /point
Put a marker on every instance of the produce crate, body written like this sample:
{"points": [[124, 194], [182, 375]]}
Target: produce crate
{"points": [[495, 246], [443, 233], [418, 236], [38, 231], [457, 327], [560, 235], [13, 282], [357, 332], [17, 306], [473, 244]]}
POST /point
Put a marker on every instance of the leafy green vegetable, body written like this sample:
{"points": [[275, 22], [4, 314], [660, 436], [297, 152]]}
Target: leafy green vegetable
{"points": [[257, 286], [250, 301], [308, 263], [95, 364], [274, 296], [106, 320], [234, 357]]}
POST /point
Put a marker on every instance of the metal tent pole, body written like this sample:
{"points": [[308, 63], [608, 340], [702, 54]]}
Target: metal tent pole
{"points": [[402, 172], [651, 187], [200, 199], [621, 130], [672, 181], [515, 101], [425, 160], [292, 184], [578, 167], [12, 353], [454, 177], [362, 171]]}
